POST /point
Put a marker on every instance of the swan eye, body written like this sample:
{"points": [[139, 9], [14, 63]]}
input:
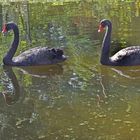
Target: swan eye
{"points": [[4, 29]]}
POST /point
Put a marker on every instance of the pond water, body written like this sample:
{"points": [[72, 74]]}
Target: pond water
{"points": [[79, 99]]}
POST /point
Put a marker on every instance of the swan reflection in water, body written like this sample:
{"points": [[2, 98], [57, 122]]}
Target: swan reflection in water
{"points": [[124, 76], [13, 89], [113, 78], [11, 84], [42, 71], [11, 98], [124, 73]]}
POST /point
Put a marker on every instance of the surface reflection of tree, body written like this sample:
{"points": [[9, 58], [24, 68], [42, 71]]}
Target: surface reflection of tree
{"points": [[11, 98]]}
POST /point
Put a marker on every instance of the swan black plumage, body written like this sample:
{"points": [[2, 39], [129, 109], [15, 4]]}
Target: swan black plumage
{"points": [[31, 57], [129, 56]]}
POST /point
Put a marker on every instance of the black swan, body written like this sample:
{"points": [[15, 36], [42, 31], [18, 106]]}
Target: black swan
{"points": [[129, 56], [31, 57]]}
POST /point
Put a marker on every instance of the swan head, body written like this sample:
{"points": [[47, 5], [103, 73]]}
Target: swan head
{"points": [[103, 24], [8, 26], [56, 55]]}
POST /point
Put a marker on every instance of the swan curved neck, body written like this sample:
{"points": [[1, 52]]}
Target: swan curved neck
{"points": [[10, 54], [106, 46]]}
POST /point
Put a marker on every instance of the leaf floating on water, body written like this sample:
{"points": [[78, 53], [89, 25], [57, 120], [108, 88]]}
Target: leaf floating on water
{"points": [[132, 129], [59, 97], [127, 122], [20, 121], [92, 128], [128, 108], [70, 129], [109, 109], [93, 75], [93, 113], [41, 137], [66, 136], [117, 120], [122, 99], [101, 116], [84, 123], [81, 124]]}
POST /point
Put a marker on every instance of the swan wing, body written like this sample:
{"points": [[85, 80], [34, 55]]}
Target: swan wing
{"points": [[38, 55], [127, 55]]}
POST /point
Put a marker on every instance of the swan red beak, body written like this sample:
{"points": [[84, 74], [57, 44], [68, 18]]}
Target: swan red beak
{"points": [[101, 28], [4, 30]]}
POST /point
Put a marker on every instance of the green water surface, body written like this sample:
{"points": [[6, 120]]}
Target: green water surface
{"points": [[79, 99]]}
